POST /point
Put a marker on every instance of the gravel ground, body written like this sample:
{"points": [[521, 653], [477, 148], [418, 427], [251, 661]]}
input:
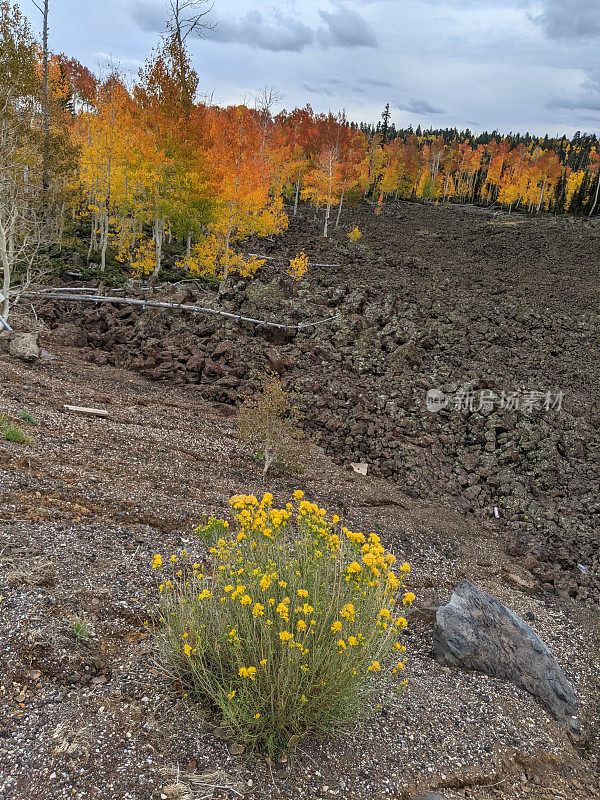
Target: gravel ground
{"points": [[455, 299], [82, 510]]}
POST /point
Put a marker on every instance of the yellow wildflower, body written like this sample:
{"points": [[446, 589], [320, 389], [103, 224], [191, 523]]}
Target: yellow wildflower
{"points": [[375, 667], [157, 561], [247, 672]]}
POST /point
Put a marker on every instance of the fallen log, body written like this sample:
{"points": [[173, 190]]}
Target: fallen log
{"points": [[90, 412], [130, 301]]}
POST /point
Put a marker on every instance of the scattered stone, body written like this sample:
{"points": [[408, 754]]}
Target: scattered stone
{"points": [[46, 355], [476, 632], [25, 346], [361, 468], [519, 583]]}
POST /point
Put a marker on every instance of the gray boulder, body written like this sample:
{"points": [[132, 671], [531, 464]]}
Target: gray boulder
{"points": [[25, 346], [476, 632]]}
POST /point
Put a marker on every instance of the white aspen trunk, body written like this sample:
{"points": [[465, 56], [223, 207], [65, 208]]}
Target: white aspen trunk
{"points": [[327, 212], [596, 197], [539, 205], [103, 240], [122, 235], [446, 187], [61, 227], [227, 240], [4, 260], [158, 240], [297, 191], [188, 249], [92, 236], [339, 214]]}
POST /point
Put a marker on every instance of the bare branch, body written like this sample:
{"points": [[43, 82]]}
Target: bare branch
{"points": [[130, 301], [187, 18]]}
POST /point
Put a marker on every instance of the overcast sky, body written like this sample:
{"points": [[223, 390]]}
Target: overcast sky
{"points": [[507, 64]]}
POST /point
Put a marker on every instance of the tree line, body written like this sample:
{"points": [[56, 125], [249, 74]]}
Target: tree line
{"points": [[147, 162]]}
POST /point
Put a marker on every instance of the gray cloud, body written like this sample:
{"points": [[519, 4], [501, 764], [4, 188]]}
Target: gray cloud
{"points": [[148, 16], [586, 100], [570, 19], [375, 82], [346, 28], [327, 91], [334, 87], [580, 103], [419, 106], [499, 41], [253, 29], [343, 28]]}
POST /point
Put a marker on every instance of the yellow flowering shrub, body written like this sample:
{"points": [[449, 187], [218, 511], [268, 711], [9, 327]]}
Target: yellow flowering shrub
{"points": [[355, 235], [298, 266], [210, 258], [143, 259], [293, 626]]}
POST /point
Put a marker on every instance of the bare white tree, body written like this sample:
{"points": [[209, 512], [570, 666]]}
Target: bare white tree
{"points": [[264, 102], [27, 221], [190, 17], [28, 211]]}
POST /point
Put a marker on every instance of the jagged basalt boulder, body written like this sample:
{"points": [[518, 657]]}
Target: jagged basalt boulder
{"points": [[474, 631]]}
